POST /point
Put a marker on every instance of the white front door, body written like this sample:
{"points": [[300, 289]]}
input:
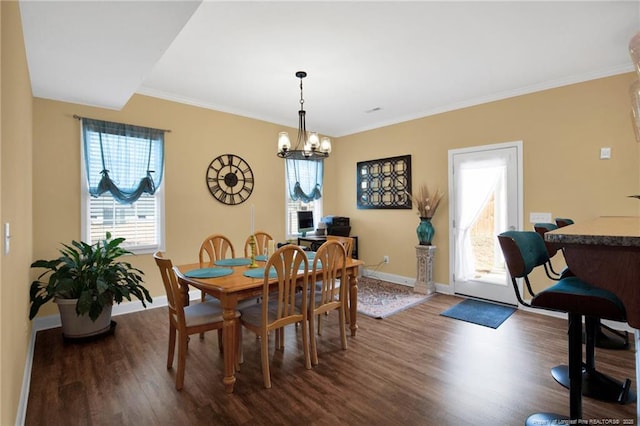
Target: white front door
{"points": [[485, 193]]}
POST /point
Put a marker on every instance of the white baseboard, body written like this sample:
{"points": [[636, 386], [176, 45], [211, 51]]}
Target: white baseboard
{"points": [[402, 280]]}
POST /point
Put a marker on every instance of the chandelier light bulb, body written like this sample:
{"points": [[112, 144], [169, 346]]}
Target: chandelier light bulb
{"points": [[284, 144], [313, 141], [325, 145]]}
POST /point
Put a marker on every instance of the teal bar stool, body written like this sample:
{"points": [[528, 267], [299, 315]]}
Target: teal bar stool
{"points": [[594, 383], [525, 250]]}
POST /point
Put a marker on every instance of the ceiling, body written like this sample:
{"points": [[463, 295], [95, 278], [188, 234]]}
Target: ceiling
{"points": [[369, 64]]}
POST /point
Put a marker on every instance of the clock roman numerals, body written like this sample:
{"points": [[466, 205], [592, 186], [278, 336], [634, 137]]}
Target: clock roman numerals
{"points": [[230, 179]]}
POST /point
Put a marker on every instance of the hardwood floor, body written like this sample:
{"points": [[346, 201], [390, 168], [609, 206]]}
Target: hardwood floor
{"points": [[413, 368]]}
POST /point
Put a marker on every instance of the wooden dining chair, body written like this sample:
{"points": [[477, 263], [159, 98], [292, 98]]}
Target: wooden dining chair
{"points": [[215, 247], [262, 242], [185, 320], [347, 242], [328, 265], [278, 308]]}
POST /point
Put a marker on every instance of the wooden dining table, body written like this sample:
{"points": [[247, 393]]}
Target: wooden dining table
{"points": [[235, 287], [605, 252]]}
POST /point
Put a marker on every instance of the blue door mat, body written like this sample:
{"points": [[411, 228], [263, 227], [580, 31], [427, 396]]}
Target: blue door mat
{"points": [[481, 313]]}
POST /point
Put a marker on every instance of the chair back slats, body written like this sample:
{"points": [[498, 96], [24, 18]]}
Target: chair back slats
{"points": [[329, 264], [347, 242], [262, 242], [287, 262], [215, 247]]}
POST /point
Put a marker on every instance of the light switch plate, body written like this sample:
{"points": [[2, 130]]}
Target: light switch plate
{"points": [[539, 217], [605, 153]]}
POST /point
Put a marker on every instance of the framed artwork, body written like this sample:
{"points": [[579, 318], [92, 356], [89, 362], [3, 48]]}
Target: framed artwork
{"points": [[384, 183]]}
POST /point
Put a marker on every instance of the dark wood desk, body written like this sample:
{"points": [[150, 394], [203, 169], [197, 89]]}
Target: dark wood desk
{"points": [[605, 252], [231, 288], [315, 241]]}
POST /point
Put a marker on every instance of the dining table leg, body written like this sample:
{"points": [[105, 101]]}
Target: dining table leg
{"points": [[353, 302], [229, 344]]}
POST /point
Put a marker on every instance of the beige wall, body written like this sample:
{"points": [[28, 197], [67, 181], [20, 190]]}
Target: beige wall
{"points": [[197, 136], [562, 131], [15, 208]]}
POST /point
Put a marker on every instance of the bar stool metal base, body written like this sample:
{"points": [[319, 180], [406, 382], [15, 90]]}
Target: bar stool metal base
{"points": [[546, 419], [612, 339], [597, 385]]}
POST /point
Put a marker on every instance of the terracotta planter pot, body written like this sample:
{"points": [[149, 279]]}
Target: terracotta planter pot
{"points": [[77, 326]]}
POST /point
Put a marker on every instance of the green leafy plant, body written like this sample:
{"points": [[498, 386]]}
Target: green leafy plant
{"points": [[90, 273]]}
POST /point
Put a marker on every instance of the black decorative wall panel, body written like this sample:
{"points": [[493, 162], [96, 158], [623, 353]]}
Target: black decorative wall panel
{"points": [[384, 183]]}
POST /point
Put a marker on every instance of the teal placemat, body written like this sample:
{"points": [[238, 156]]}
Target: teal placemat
{"points": [[237, 261], [310, 256], [259, 273], [311, 265], [208, 272]]}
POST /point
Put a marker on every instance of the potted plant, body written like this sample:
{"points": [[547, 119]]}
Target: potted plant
{"points": [[84, 282]]}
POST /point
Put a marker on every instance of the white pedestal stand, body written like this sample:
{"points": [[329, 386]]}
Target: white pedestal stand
{"points": [[424, 281]]}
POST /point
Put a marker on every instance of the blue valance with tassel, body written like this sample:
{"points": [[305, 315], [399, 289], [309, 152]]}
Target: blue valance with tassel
{"points": [[122, 159], [305, 179]]}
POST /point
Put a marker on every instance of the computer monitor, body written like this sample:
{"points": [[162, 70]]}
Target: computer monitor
{"points": [[305, 222]]}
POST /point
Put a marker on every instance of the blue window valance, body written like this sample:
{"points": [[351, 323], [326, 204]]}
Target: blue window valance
{"points": [[304, 178], [122, 159]]}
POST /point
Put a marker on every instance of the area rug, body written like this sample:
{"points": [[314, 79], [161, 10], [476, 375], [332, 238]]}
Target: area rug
{"points": [[380, 299], [481, 313]]}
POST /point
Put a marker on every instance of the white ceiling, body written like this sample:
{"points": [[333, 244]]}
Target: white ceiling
{"points": [[404, 60]]}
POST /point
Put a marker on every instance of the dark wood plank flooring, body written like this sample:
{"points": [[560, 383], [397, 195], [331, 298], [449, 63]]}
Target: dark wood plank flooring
{"points": [[413, 368]]}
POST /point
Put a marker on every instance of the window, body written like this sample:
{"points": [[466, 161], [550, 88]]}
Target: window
{"points": [[122, 191], [304, 191], [292, 214]]}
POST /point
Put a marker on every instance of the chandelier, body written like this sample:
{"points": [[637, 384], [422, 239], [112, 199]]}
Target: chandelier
{"points": [[309, 146]]}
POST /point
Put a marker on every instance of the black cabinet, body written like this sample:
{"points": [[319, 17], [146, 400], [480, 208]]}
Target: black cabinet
{"points": [[312, 242]]}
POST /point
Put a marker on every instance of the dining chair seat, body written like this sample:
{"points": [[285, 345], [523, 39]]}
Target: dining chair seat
{"points": [[242, 304], [202, 313], [253, 314]]}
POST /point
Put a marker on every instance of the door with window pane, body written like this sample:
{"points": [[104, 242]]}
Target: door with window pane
{"points": [[485, 200]]}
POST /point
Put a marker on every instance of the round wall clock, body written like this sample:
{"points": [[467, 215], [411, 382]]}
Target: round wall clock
{"points": [[230, 179]]}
